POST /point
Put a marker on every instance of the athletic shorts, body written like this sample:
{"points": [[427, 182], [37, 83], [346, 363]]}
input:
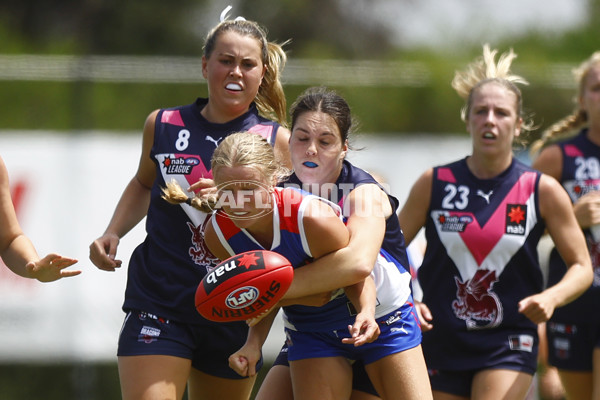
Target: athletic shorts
{"points": [[400, 330], [208, 346], [459, 383], [360, 378], [570, 346]]}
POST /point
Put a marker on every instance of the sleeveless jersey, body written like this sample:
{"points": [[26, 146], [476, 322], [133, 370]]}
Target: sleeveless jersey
{"points": [[391, 272], [481, 260], [580, 175], [166, 268]]}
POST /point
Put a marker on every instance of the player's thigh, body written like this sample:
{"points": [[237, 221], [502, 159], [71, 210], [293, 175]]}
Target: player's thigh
{"points": [[577, 384], [596, 372], [326, 378], [401, 375], [500, 384], [152, 377], [202, 386], [437, 395], [276, 385], [360, 395]]}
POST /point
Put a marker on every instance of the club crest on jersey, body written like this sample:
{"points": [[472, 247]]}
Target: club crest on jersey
{"points": [[516, 219], [453, 223], [199, 252], [476, 303], [180, 165]]}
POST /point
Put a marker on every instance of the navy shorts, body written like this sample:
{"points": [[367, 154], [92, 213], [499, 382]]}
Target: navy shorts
{"points": [[400, 330], [360, 378], [570, 346], [208, 346]]}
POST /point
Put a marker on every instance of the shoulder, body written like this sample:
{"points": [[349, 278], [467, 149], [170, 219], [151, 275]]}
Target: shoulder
{"points": [[552, 195], [424, 182], [281, 146], [549, 161], [369, 198]]}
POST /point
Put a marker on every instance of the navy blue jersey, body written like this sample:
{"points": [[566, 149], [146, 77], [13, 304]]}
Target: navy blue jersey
{"points": [[580, 175], [481, 260], [166, 268]]}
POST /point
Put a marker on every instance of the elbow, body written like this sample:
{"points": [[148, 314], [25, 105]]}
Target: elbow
{"points": [[589, 277], [363, 268]]}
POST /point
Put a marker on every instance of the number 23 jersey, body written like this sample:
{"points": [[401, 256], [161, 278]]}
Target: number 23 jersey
{"points": [[481, 259]]}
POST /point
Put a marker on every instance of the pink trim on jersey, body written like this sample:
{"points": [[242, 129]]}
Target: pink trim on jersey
{"points": [[263, 130], [481, 245], [172, 117], [573, 151], [446, 175]]}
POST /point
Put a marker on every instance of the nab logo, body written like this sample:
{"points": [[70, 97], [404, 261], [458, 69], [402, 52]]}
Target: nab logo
{"points": [[242, 297], [516, 219]]}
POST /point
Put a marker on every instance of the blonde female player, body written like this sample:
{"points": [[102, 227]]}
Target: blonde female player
{"points": [[573, 332], [165, 345], [483, 216], [256, 215]]}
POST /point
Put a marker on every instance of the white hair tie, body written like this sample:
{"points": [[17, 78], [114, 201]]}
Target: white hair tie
{"points": [[224, 15]]}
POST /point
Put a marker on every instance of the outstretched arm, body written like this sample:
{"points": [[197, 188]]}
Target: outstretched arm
{"points": [[17, 250]]}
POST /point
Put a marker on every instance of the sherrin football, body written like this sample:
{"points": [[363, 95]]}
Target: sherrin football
{"points": [[244, 286]]}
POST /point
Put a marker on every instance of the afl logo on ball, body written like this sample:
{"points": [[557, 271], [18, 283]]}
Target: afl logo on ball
{"points": [[242, 297]]}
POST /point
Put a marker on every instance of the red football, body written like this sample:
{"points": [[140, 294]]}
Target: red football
{"points": [[244, 286]]}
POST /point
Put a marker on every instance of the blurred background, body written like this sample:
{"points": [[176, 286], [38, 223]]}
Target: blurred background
{"points": [[78, 78]]}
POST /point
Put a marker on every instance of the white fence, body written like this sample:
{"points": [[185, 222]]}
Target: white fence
{"points": [[69, 185]]}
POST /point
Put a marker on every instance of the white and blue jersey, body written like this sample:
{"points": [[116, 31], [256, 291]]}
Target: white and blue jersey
{"points": [[289, 240]]}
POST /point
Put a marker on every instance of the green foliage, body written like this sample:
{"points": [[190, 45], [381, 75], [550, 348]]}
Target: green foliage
{"points": [[319, 29]]}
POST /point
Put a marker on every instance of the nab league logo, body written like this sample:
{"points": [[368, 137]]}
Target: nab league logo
{"points": [[180, 165], [476, 303], [453, 223]]}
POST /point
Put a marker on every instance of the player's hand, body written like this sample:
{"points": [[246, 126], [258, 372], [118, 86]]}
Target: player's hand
{"points": [[244, 361], [203, 187], [538, 308], [103, 252], [51, 268], [364, 330], [587, 209], [425, 316]]}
